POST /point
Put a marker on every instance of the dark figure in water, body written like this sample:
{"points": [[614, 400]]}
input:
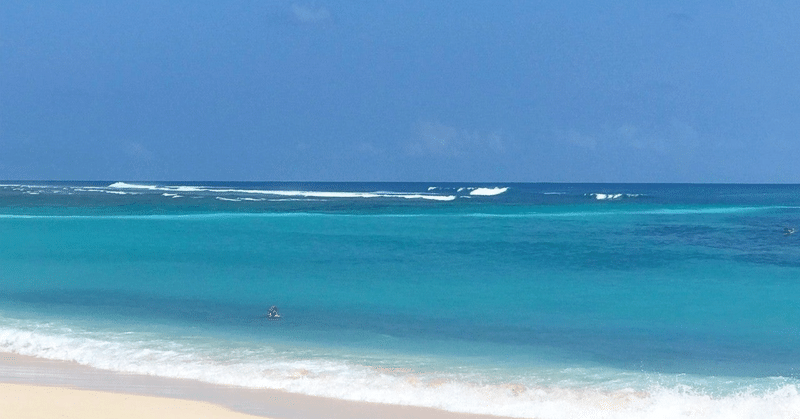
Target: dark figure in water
{"points": [[787, 231], [273, 313]]}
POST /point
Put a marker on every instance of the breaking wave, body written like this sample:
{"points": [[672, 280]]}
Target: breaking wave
{"points": [[487, 191], [221, 362], [612, 196], [281, 193]]}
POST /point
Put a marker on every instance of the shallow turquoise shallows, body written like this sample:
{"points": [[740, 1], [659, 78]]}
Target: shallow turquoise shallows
{"points": [[525, 300]]}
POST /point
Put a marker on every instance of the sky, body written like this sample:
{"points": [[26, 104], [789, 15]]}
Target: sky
{"points": [[446, 90]]}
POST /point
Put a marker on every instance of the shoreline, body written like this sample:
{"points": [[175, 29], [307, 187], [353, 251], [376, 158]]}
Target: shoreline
{"points": [[62, 377]]}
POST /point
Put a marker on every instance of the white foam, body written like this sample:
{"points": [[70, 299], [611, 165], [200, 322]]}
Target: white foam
{"points": [[602, 196], [284, 193], [428, 197], [190, 189], [262, 367], [487, 191], [123, 185], [332, 195], [20, 187]]}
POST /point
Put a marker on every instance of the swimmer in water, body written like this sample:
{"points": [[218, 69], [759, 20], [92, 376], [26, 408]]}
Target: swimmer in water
{"points": [[273, 313]]}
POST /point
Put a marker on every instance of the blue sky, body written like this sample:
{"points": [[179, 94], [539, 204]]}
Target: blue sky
{"points": [[529, 91]]}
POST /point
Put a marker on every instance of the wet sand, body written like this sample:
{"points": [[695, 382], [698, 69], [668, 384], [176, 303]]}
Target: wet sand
{"points": [[37, 388]]}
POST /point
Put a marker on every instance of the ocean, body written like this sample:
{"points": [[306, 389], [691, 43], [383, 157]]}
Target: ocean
{"points": [[540, 300]]}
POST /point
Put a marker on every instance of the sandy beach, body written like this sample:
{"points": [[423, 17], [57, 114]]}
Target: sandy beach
{"points": [[24, 401], [38, 388]]}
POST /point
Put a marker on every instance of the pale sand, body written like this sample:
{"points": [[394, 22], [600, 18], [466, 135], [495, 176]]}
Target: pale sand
{"points": [[41, 383], [22, 401]]}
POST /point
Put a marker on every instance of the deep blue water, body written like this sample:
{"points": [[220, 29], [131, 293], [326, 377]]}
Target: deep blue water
{"points": [[546, 300]]}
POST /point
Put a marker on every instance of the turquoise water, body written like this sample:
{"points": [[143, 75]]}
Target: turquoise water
{"points": [[545, 300]]}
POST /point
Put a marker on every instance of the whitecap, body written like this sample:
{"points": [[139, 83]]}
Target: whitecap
{"points": [[286, 193], [123, 185], [488, 191], [602, 196]]}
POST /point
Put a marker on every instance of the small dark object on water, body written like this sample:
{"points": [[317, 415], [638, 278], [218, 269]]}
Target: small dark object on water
{"points": [[787, 231], [273, 313]]}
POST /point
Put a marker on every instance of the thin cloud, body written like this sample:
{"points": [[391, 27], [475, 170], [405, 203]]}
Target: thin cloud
{"points": [[680, 18], [675, 136], [137, 151], [310, 14], [579, 139], [435, 138], [369, 148]]}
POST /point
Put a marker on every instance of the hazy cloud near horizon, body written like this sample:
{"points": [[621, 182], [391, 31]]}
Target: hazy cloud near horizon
{"points": [[435, 138], [569, 91]]}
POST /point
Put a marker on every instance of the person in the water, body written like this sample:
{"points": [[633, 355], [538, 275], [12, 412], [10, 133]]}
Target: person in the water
{"points": [[273, 313]]}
